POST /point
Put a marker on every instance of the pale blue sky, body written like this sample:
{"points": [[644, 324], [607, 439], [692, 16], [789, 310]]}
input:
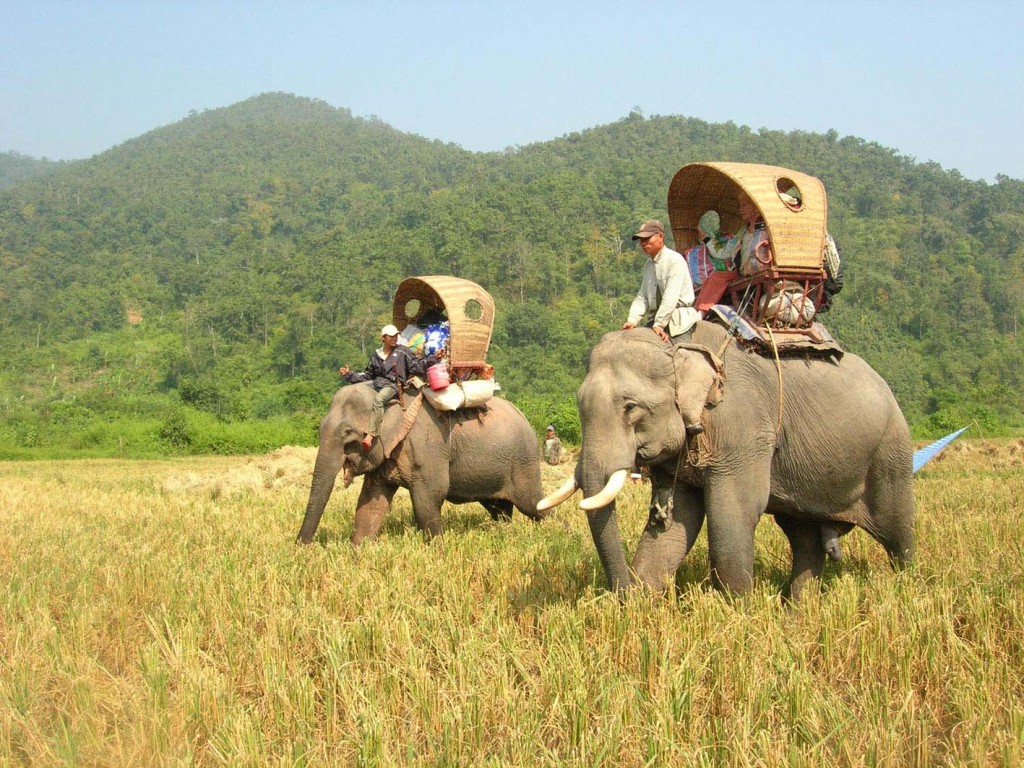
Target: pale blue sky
{"points": [[937, 81]]}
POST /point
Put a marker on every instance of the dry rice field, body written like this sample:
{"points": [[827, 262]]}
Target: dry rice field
{"points": [[159, 614]]}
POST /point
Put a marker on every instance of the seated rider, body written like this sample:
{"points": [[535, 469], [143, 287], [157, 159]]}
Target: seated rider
{"points": [[664, 302], [747, 253], [666, 297], [389, 368], [830, 261], [704, 258], [753, 252]]}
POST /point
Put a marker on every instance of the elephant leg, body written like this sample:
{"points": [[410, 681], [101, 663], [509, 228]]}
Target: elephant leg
{"points": [[500, 509], [374, 502], [733, 507], [426, 507], [805, 541], [670, 533]]}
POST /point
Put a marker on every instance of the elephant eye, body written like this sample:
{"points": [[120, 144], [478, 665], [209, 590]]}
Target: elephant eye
{"points": [[633, 411]]}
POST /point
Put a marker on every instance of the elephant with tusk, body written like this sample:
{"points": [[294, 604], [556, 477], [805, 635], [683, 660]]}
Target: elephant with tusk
{"points": [[487, 454], [827, 451]]}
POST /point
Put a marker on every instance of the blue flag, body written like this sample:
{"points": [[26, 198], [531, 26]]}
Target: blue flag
{"points": [[929, 452]]}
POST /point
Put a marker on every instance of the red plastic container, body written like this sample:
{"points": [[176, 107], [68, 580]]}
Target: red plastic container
{"points": [[437, 376]]}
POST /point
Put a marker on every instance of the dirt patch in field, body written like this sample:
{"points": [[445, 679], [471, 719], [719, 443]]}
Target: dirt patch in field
{"points": [[287, 466]]}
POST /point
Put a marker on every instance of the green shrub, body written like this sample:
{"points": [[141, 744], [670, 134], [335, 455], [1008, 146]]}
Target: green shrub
{"points": [[561, 411], [175, 430], [204, 395]]}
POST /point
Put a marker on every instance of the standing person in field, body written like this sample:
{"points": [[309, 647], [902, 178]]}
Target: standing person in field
{"points": [[389, 368], [664, 302], [552, 447]]}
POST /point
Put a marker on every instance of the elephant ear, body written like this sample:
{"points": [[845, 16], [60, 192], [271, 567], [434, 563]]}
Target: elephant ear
{"points": [[700, 379]]}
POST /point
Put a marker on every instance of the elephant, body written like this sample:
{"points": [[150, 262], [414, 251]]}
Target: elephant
{"points": [[488, 454], [820, 444]]}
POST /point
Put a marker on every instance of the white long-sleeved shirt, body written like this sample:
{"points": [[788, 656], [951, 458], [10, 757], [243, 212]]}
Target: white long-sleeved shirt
{"points": [[667, 274]]}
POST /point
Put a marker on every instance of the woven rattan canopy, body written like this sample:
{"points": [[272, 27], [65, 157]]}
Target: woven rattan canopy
{"points": [[797, 231], [469, 308]]}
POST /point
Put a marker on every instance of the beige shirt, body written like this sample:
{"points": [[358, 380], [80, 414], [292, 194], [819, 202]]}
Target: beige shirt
{"points": [[666, 275]]}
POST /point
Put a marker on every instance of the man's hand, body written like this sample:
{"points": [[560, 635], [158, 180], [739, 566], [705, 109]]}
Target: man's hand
{"points": [[627, 325], [343, 370], [441, 354], [661, 333]]}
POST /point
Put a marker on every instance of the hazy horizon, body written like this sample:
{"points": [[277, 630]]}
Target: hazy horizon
{"points": [[938, 83]]}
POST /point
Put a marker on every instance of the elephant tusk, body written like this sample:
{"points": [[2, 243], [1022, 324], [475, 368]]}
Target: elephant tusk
{"points": [[608, 493], [568, 489]]}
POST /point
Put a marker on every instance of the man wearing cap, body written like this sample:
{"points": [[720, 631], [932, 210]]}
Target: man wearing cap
{"points": [[552, 447], [389, 368], [666, 290]]}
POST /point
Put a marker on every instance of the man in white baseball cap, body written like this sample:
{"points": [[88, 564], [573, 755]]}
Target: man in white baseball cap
{"points": [[389, 368]]}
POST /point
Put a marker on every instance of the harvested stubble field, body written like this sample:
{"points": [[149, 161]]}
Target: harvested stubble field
{"points": [[159, 613]]}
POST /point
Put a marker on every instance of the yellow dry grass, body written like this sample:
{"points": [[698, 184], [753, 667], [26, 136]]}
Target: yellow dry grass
{"points": [[159, 613]]}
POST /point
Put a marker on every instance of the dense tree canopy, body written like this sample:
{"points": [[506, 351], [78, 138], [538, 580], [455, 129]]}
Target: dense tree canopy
{"points": [[15, 167], [232, 260]]}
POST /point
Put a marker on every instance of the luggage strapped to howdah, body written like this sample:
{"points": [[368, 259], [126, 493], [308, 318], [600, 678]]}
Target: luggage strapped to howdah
{"points": [[777, 307], [441, 310]]}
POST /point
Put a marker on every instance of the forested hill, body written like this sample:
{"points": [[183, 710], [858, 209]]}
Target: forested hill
{"points": [[232, 260], [15, 167]]}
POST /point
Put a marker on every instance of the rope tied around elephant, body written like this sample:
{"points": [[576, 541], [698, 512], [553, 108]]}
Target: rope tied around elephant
{"points": [[744, 304], [697, 450], [408, 418], [730, 331], [778, 369]]}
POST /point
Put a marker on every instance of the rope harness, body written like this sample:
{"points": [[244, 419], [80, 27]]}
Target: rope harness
{"points": [[748, 295], [778, 369], [697, 450], [408, 417]]}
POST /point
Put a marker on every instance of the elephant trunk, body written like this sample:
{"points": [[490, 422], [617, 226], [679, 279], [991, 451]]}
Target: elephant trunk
{"points": [[604, 528], [325, 471]]}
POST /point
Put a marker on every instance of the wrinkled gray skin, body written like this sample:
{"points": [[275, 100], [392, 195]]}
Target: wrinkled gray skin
{"points": [[488, 455], [842, 458]]}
